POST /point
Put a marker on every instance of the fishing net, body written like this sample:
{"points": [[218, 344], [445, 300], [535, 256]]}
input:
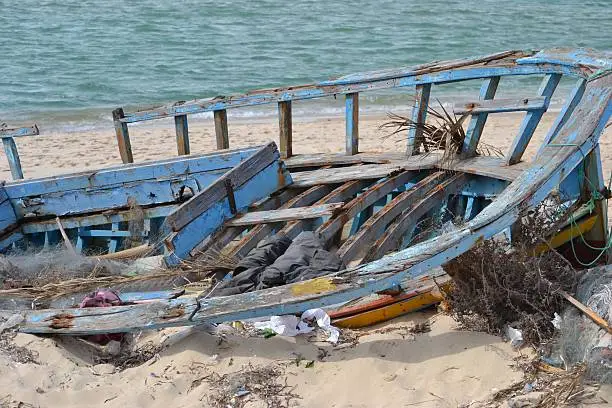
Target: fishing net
{"points": [[581, 340]]}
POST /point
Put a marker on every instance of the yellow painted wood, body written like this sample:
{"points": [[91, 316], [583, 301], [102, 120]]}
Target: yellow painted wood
{"points": [[566, 235], [383, 314]]}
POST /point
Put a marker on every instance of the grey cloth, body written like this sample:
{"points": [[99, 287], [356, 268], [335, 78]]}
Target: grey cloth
{"points": [[278, 261]]}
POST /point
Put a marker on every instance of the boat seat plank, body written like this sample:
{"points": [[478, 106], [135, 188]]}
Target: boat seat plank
{"points": [[501, 105], [259, 232], [287, 214], [343, 193]]}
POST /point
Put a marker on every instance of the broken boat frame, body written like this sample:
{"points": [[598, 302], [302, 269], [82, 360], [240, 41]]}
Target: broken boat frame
{"points": [[385, 195]]}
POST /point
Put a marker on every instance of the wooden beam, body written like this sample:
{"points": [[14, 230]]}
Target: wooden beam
{"points": [[287, 214], [123, 136], [182, 134], [501, 105], [391, 240], [352, 123], [477, 122], [12, 156], [285, 129], [357, 244], [532, 119], [593, 185], [419, 115], [221, 132]]}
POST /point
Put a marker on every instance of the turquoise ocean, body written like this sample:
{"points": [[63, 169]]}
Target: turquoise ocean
{"points": [[67, 64]]}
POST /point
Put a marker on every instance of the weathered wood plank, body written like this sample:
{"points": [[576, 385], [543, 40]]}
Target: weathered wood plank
{"points": [[419, 115], [123, 136], [369, 197], [352, 123], [391, 239], [531, 121], [566, 112], [182, 134], [285, 129], [259, 232], [341, 159], [126, 174], [356, 244], [501, 105], [19, 132], [477, 122], [573, 57], [12, 155], [221, 131], [217, 191], [287, 214]]}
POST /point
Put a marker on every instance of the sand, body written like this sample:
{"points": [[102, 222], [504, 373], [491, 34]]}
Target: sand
{"points": [[443, 368]]}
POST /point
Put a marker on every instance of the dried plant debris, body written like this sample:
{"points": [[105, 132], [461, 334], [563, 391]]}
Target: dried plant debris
{"points": [[14, 352], [265, 384], [133, 357], [8, 401], [542, 389], [495, 285], [442, 132]]}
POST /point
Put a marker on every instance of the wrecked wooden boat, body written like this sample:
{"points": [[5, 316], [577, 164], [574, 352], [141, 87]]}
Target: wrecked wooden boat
{"points": [[369, 209]]}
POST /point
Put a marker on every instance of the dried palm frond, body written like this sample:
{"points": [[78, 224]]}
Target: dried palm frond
{"points": [[443, 132]]}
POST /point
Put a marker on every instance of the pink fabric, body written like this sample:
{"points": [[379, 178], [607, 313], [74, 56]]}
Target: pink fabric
{"points": [[102, 298]]}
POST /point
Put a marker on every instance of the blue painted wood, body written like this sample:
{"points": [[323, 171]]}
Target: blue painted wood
{"points": [[124, 174], [123, 136], [8, 219], [19, 132], [85, 201], [531, 121], [419, 115], [571, 57], [477, 122], [352, 123], [12, 155], [524, 104], [182, 134], [97, 219], [264, 183], [566, 112], [111, 233], [330, 88]]}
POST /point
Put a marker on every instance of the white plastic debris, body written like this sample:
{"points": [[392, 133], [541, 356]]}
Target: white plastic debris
{"points": [[515, 336], [291, 326], [556, 321]]}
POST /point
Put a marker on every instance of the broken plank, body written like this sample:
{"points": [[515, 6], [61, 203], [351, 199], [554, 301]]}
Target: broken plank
{"points": [[19, 132], [343, 193]]}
